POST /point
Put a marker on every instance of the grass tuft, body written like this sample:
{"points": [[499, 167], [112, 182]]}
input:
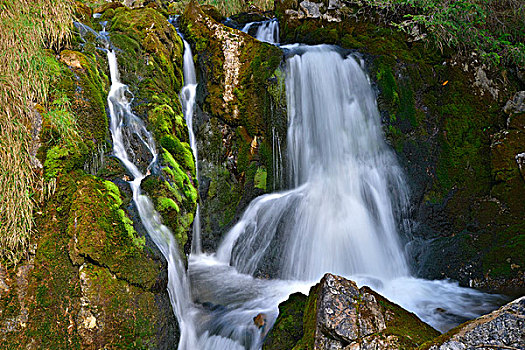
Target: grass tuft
{"points": [[27, 27]]}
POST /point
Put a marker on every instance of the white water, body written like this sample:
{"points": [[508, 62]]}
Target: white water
{"points": [[187, 98], [267, 31], [340, 217], [125, 123], [344, 212]]}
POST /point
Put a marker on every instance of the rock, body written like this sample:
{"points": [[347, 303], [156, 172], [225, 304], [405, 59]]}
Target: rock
{"points": [[238, 109], [516, 104], [484, 83], [339, 315], [311, 9], [501, 329]]}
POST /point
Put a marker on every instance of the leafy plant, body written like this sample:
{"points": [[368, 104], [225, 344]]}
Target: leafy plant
{"points": [[493, 28]]}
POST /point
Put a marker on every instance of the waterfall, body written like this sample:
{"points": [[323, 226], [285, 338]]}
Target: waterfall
{"points": [[124, 124], [267, 31], [187, 98], [341, 214], [348, 198], [340, 218]]}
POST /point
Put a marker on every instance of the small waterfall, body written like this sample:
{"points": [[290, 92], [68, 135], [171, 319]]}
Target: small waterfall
{"points": [[187, 98], [267, 31], [125, 124]]}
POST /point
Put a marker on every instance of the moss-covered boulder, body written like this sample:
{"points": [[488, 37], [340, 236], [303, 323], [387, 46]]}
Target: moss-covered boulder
{"points": [[443, 114], [149, 53], [336, 315], [241, 114]]}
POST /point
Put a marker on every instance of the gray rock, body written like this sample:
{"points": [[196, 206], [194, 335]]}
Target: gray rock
{"points": [[338, 315], [516, 104], [501, 329], [311, 9]]}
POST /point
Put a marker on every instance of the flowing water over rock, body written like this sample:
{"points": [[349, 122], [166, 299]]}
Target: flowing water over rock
{"points": [[343, 216], [267, 31], [187, 97], [125, 125]]}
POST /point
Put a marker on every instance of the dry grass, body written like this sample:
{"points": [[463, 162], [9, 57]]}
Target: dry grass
{"points": [[26, 28]]}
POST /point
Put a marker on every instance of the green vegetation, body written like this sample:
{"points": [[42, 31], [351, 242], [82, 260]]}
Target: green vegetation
{"points": [[26, 28], [494, 28]]}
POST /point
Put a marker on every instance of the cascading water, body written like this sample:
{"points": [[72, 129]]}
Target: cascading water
{"points": [[267, 31], [187, 97], [348, 201], [340, 216], [125, 123]]}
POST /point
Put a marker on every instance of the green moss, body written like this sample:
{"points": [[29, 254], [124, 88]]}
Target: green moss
{"points": [[105, 234], [125, 309], [60, 160], [307, 342], [288, 328], [181, 151], [113, 192], [167, 204], [505, 256], [410, 330]]}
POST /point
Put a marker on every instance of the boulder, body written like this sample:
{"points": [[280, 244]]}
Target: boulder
{"points": [[501, 329], [339, 315]]}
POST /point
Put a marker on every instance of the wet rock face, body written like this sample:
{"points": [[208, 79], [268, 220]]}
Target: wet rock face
{"points": [[339, 315], [240, 110], [501, 329]]}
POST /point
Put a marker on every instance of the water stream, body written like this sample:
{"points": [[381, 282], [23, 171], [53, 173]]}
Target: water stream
{"points": [[187, 98], [349, 197], [124, 125]]}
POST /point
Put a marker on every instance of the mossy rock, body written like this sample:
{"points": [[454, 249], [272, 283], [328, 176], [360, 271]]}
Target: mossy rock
{"points": [[288, 328], [338, 313], [150, 62], [241, 98], [101, 231]]}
